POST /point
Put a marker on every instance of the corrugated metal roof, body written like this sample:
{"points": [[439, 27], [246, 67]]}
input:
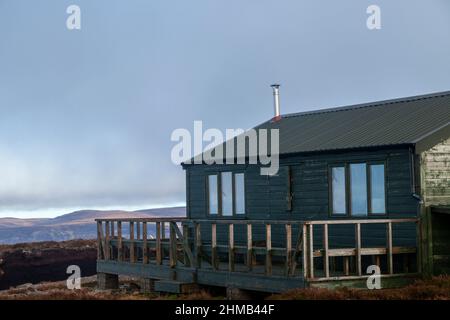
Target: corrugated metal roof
{"points": [[391, 122]]}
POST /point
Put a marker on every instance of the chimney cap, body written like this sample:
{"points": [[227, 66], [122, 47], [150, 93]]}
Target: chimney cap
{"points": [[275, 85]]}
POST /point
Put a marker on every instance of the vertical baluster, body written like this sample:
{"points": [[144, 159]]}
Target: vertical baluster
{"points": [[231, 247], [198, 245], [358, 248], [214, 260], [107, 247], [249, 247], [172, 246], [268, 249], [390, 262], [132, 256], [326, 265], [288, 249], [144, 243], [311, 251], [120, 241], [158, 243]]}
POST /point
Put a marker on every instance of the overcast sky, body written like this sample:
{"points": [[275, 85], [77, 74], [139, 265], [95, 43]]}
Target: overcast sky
{"points": [[86, 115]]}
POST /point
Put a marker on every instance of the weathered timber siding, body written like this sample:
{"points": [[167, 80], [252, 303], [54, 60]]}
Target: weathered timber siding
{"points": [[266, 197], [435, 164]]}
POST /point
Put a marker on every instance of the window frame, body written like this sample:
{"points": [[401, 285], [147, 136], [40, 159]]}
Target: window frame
{"points": [[348, 197], [219, 213]]}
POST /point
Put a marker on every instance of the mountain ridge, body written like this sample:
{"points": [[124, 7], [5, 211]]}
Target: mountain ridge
{"points": [[79, 224]]}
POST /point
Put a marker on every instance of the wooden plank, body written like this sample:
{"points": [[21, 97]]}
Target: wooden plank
{"points": [[249, 247], [158, 244], [288, 249], [358, 248], [311, 250], [214, 259], [144, 243], [188, 256], [131, 246], [268, 250], [231, 247], [364, 221], [119, 241], [305, 252], [107, 247], [326, 265], [173, 246], [198, 245], [390, 263]]}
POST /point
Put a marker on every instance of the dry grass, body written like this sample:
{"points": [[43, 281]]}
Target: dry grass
{"points": [[437, 288]]}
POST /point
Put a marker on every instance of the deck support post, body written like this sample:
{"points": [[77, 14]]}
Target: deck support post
{"points": [[305, 251], [311, 251], [107, 281]]}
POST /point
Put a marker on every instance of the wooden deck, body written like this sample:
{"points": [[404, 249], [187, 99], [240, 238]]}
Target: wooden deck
{"points": [[190, 252]]}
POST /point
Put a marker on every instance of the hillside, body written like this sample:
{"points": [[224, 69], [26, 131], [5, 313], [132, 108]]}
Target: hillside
{"points": [[75, 225]]}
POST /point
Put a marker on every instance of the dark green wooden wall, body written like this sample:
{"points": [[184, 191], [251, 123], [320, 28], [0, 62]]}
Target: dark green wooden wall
{"points": [[266, 196]]}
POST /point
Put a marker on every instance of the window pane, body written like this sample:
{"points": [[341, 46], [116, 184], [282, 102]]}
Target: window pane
{"points": [[227, 194], [213, 203], [377, 189], [338, 192], [358, 189], [239, 190]]}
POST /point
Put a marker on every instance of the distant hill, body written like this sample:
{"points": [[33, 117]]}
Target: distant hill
{"points": [[75, 225]]}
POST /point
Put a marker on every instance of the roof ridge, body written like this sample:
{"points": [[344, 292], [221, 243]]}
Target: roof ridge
{"points": [[369, 104]]}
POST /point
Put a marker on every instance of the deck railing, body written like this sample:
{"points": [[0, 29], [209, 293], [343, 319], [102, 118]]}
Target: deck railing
{"points": [[294, 253]]}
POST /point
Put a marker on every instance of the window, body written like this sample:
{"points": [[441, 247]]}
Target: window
{"points": [[213, 202], [227, 193], [377, 189], [240, 193], [338, 190], [229, 188], [358, 189]]}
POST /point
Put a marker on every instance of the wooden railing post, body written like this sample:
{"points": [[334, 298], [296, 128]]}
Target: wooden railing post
{"points": [[268, 250], [107, 243], [326, 265], [100, 248], [172, 246], [249, 247], [311, 251], [198, 245], [158, 243], [138, 230], [390, 262], [144, 243], [214, 259], [358, 248], [112, 229], [187, 260], [119, 241], [163, 230], [288, 249], [132, 256], [231, 247], [305, 251]]}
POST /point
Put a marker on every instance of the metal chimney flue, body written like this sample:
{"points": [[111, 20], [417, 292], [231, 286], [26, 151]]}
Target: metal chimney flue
{"points": [[276, 102]]}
